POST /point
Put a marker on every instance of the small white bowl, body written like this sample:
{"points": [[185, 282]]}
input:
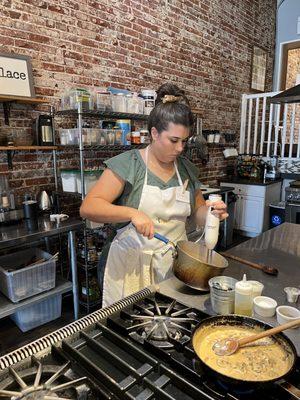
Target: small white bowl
{"points": [[264, 306], [287, 314]]}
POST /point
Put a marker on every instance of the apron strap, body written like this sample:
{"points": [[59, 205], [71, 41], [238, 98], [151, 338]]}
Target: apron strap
{"points": [[146, 173]]}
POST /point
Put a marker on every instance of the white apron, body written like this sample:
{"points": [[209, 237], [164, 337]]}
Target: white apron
{"points": [[134, 261]]}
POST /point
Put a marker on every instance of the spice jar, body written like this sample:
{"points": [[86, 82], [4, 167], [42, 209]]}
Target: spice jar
{"points": [[135, 137], [144, 136]]}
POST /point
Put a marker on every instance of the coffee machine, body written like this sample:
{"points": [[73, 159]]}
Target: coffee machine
{"points": [[272, 171], [43, 128]]}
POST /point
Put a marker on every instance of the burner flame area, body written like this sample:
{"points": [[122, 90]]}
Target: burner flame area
{"points": [[162, 324], [48, 382]]}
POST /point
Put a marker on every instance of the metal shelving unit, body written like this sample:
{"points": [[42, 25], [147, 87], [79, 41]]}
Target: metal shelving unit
{"points": [[81, 115]]}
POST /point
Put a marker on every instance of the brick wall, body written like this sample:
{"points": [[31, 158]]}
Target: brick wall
{"points": [[203, 46]]}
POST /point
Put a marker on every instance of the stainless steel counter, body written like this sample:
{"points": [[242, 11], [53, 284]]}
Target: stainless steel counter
{"points": [[279, 247]]}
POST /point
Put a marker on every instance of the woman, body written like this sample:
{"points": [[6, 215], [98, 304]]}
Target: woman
{"points": [[149, 190]]}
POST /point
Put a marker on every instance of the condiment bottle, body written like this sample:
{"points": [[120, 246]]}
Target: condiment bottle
{"points": [[243, 297], [212, 224]]}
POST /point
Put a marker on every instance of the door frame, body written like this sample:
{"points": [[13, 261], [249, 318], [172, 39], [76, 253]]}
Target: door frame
{"points": [[283, 57]]}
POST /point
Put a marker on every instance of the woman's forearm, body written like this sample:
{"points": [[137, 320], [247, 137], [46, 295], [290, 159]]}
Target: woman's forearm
{"points": [[99, 210]]}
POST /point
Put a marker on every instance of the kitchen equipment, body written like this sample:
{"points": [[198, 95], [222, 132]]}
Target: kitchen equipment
{"points": [[193, 263], [44, 130], [264, 306], [30, 208], [212, 224], [230, 345], [292, 294], [286, 313], [265, 268], [251, 323], [44, 201], [277, 214], [222, 292], [272, 171], [257, 288], [243, 297], [137, 349], [292, 197]]}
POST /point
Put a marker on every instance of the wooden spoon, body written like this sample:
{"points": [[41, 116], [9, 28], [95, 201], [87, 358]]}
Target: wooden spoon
{"points": [[226, 347]]}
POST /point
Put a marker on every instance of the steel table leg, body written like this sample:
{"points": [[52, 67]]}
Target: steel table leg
{"points": [[72, 247]]}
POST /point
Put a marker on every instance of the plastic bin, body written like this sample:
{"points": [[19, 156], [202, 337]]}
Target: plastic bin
{"points": [[90, 179], [38, 314], [69, 179], [19, 283], [277, 214], [69, 136]]}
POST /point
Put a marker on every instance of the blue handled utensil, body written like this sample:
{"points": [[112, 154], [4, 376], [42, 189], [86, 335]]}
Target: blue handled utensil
{"points": [[161, 238], [167, 241]]}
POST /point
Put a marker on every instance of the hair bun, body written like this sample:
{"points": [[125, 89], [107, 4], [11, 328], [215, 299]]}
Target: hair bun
{"points": [[170, 93]]}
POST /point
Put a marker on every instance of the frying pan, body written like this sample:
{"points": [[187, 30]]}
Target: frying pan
{"points": [[228, 320], [193, 263]]}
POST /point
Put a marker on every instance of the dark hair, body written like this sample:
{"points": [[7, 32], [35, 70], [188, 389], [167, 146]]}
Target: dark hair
{"points": [[178, 112]]}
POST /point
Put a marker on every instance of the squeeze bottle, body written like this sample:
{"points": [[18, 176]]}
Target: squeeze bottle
{"points": [[212, 225], [243, 297]]}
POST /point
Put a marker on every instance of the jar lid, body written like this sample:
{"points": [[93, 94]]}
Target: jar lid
{"points": [[135, 134], [120, 94]]}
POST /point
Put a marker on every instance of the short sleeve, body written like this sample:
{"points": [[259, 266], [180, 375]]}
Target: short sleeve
{"points": [[192, 172], [124, 165]]}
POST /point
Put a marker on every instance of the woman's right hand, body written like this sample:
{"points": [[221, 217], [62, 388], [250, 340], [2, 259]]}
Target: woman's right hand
{"points": [[143, 224]]}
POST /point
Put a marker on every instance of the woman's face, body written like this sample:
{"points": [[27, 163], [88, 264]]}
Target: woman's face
{"points": [[170, 143]]}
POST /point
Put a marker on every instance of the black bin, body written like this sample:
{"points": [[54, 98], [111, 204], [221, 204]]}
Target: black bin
{"points": [[277, 214]]}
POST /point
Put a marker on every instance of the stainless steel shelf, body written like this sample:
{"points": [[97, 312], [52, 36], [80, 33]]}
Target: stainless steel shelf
{"points": [[106, 147], [8, 308], [103, 114]]}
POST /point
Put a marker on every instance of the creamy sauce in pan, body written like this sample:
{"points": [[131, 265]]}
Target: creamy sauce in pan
{"points": [[262, 360]]}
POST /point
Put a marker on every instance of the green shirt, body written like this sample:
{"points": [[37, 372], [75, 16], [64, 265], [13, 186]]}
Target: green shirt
{"points": [[131, 168]]}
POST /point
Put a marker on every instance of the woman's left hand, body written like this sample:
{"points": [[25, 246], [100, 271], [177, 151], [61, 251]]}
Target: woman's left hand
{"points": [[219, 209]]}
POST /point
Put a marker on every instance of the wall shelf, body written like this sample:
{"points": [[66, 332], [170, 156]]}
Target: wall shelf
{"points": [[7, 100], [20, 148], [11, 149], [21, 99]]}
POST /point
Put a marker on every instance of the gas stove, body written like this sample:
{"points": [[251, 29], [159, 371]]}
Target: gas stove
{"points": [[137, 349], [292, 192]]}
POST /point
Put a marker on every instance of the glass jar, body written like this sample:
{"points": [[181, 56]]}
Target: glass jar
{"points": [[135, 137], [80, 96], [118, 102], [145, 137], [110, 136]]}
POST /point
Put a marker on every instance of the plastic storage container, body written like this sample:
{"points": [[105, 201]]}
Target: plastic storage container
{"points": [[149, 96], [19, 283], [103, 100], [69, 136], [118, 102], [69, 180], [90, 179], [38, 314], [74, 97]]}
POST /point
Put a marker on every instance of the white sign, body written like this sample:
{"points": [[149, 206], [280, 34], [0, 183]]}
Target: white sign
{"points": [[16, 76]]}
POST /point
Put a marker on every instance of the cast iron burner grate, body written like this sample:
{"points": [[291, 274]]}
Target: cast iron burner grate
{"points": [[43, 382], [158, 320]]}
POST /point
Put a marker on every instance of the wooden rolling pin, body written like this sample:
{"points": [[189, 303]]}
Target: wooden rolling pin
{"points": [[265, 268]]}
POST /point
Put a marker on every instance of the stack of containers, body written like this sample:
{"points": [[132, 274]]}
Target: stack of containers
{"points": [[19, 282], [222, 294]]}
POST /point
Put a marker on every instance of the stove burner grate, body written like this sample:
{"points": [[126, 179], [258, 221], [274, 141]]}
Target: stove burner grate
{"points": [[42, 382], [162, 324]]}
